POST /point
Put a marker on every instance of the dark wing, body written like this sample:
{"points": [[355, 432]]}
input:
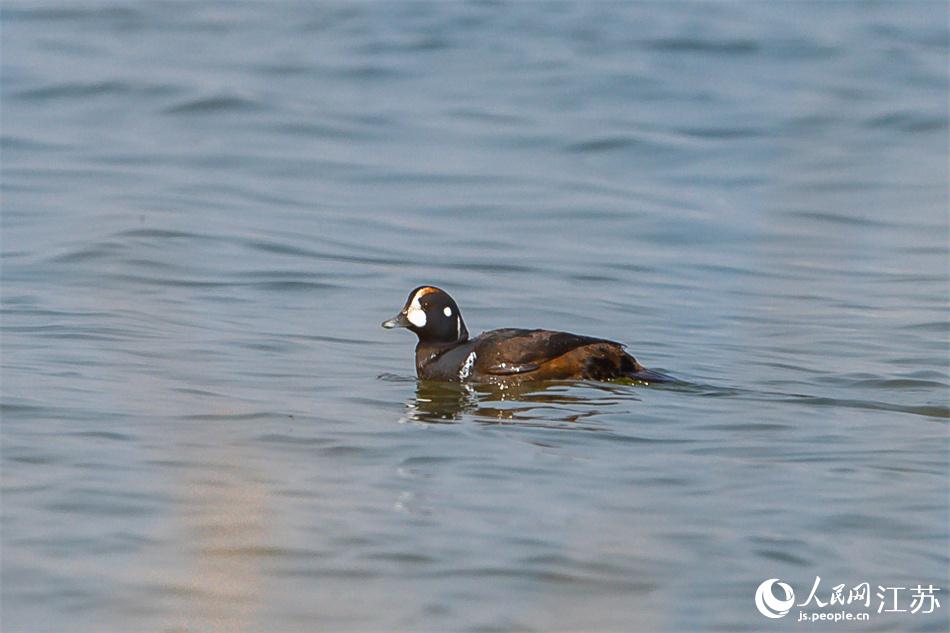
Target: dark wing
{"points": [[511, 351]]}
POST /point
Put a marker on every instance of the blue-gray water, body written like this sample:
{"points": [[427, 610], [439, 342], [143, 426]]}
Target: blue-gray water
{"points": [[208, 208]]}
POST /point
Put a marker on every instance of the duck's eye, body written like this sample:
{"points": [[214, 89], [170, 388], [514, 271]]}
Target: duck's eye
{"points": [[447, 311]]}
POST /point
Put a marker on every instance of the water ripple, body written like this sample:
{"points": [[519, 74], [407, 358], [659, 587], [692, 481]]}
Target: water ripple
{"points": [[209, 208]]}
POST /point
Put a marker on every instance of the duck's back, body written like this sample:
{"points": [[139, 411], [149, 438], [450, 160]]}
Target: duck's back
{"points": [[516, 355]]}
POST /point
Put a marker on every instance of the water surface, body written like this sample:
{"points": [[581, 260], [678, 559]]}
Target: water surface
{"points": [[208, 208]]}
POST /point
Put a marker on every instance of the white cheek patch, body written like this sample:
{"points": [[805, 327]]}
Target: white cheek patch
{"points": [[447, 311], [416, 316], [415, 313]]}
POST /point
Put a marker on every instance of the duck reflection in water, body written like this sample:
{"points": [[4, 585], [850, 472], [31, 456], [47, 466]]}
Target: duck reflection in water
{"points": [[554, 405]]}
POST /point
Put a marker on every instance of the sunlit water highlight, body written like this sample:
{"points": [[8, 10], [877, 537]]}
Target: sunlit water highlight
{"points": [[208, 209]]}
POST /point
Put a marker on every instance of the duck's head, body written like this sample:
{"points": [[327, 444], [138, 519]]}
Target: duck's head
{"points": [[433, 315]]}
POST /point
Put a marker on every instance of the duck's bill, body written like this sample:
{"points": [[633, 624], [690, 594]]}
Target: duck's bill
{"points": [[652, 376], [399, 320]]}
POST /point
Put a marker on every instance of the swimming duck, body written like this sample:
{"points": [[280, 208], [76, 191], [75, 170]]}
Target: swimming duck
{"points": [[445, 351]]}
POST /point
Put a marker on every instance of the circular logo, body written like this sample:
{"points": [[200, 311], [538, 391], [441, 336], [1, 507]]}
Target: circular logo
{"points": [[770, 606]]}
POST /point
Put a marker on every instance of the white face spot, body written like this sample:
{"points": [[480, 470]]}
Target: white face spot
{"points": [[416, 314], [447, 311]]}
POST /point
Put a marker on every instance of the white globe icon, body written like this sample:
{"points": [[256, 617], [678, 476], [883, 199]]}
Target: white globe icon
{"points": [[770, 606]]}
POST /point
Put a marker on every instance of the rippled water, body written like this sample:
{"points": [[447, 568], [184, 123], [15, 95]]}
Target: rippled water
{"points": [[208, 208]]}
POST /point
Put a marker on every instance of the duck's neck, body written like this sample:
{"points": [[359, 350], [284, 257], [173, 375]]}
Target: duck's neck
{"points": [[429, 351]]}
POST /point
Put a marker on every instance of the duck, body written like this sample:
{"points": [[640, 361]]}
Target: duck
{"points": [[445, 352]]}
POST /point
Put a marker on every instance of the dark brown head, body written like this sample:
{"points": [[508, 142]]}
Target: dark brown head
{"points": [[433, 315]]}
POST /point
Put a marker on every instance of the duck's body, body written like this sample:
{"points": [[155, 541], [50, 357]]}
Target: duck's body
{"points": [[445, 352], [522, 355]]}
